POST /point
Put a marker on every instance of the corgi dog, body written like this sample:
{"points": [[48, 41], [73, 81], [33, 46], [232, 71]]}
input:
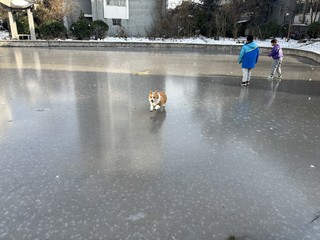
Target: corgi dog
{"points": [[157, 100]]}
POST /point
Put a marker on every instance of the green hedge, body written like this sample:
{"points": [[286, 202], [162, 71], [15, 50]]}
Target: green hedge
{"points": [[81, 29], [99, 29], [52, 30], [314, 30], [269, 29]]}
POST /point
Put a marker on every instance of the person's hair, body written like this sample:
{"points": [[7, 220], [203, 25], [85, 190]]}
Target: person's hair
{"points": [[274, 40], [249, 38]]}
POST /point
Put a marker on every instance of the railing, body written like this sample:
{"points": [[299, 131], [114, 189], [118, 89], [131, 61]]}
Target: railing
{"points": [[24, 37]]}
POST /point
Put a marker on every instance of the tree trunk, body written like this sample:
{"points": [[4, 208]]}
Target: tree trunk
{"points": [[316, 10], [304, 11]]}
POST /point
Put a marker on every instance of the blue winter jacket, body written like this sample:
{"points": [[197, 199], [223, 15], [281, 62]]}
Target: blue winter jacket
{"points": [[249, 55]]}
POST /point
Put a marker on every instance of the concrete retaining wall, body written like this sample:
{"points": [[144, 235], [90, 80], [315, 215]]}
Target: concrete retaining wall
{"points": [[223, 49]]}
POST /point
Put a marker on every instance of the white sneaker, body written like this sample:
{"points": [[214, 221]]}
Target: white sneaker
{"points": [[270, 78]]}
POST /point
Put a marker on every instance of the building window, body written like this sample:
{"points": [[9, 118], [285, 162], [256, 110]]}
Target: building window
{"points": [[121, 3], [116, 22], [116, 9]]}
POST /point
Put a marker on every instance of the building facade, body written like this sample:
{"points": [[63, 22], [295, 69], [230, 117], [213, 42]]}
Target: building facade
{"points": [[307, 12], [294, 11], [132, 17]]}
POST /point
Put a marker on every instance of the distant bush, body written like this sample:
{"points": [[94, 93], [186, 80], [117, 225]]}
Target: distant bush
{"points": [[269, 29], [5, 24], [284, 30], [99, 29], [121, 32], [314, 30], [22, 24], [53, 29], [81, 29]]}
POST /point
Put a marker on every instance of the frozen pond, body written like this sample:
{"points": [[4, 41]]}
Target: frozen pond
{"points": [[81, 156]]}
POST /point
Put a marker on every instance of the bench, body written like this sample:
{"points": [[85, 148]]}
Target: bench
{"points": [[24, 37]]}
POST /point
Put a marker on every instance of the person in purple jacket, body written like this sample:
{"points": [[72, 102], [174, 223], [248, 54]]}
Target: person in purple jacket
{"points": [[248, 57], [277, 56]]}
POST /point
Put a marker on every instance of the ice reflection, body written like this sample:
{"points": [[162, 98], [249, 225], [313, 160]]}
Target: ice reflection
{"points": [[23, 62], [37, 64], [273, 91], [19, 62], [157, 120], [5, 109], [114, 125], [83, 145]]}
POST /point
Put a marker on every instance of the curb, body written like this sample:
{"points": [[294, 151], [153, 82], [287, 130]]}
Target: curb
{"points": [[223, 49]]}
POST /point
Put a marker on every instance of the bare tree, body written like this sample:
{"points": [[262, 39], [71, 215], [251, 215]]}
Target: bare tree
{"points": [[186, 19], [315, 10], [304, 11], [54, 9], [310, 8], [221, 21], [161, 26], [209, 9], [234, 11]]}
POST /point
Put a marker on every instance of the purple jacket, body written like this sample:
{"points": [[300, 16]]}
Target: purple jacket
{"points": [[276, 52]]}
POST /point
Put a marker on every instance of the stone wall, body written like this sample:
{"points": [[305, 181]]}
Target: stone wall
{"points": [[222, 49]]}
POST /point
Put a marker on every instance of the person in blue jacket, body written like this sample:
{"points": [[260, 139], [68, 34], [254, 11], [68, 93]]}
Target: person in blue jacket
{"points": [[249, 55]]}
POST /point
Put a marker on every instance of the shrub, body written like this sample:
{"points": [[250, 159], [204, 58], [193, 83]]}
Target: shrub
{"points": [[314, 30], [5, 24], [52, 29], [22, 24], [269, 29], [99, 29], [81, 29], [121, 32], [284, 30]]}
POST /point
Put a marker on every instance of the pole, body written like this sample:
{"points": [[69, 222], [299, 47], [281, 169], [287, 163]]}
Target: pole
{"points": [[289, 29], [13, 25], [31, 24]]}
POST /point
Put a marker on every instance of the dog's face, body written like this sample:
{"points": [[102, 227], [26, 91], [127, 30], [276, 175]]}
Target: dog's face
{"points": [[153, 96]]}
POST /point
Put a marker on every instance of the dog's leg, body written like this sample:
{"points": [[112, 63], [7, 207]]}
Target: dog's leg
{"points": [[157, 107], [151, 107]]}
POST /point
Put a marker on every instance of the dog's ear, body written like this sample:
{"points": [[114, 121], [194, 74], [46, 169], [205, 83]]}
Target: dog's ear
{"points": [[150, 92], [155, 91]]}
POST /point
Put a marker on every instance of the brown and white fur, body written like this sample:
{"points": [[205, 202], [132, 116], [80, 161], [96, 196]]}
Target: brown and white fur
{"points": [[157, 100]]}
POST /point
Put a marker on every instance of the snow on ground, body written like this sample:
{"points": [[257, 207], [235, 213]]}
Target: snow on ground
{"points": [[309, 46]]}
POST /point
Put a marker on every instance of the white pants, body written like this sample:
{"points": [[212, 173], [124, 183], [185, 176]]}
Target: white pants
{"points": [[246, 74], [276, 66]]}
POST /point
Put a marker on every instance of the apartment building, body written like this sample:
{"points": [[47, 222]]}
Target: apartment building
{"points": [[135, 17]]}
